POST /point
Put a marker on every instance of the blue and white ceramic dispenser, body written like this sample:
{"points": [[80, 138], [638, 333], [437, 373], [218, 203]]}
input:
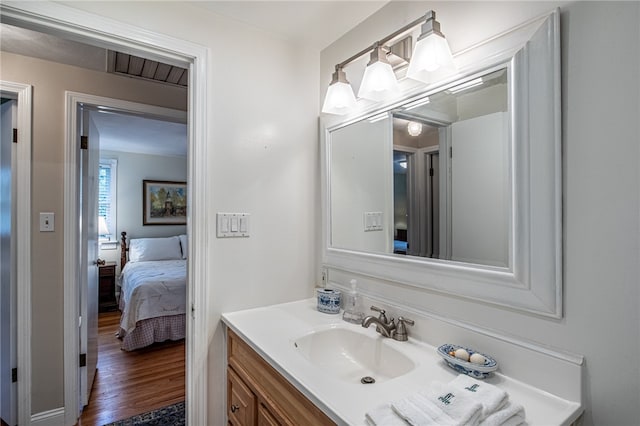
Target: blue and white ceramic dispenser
{"points": [[328, 300]]}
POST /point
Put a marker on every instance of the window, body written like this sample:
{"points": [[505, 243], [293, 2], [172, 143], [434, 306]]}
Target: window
{"points": [[107, 196]]}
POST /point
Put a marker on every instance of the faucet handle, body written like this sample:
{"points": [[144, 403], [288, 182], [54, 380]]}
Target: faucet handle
{"points": [[401, 329], [382, 317]]}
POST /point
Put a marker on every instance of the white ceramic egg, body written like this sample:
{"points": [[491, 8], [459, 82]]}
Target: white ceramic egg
{"points": [[477, 359], [462, 354]]}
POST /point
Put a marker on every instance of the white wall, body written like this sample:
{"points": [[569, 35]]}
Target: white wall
{"points": [[601, 188]]}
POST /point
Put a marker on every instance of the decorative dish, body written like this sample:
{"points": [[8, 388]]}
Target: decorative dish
{"points": [[478, 371]]}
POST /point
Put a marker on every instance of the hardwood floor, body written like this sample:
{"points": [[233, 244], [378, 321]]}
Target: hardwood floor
{"points": [[130, 383]]}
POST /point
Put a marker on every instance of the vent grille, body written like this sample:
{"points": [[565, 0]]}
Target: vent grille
{"points": [[137, 67]]}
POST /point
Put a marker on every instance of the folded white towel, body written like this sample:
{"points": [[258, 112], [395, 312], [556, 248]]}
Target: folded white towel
{"points": [[491, 397], [511, 414], [438, 405], [418, 411], [383, 415]]}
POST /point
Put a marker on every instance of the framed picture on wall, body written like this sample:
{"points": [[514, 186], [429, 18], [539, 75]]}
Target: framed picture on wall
{"points": [[164, 202]]}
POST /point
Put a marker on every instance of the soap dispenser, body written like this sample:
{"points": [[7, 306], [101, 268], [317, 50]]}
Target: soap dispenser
{"points": [[352, 312]]}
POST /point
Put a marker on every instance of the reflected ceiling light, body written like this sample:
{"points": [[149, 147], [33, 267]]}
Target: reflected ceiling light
{"points": [[414, 128], [340, 98], [431, 53], [467, 85], [379, 81], [416, 104]]}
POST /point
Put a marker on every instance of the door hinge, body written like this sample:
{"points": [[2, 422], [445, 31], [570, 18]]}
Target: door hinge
{"points": [[84, 142], [14, 375], [15, 135], [83, 360], [193, 311], [450, 152], [431, 171]]}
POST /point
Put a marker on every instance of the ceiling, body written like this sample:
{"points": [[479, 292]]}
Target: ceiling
{"points": [[316, 24], [312, 23], [140, 135]]}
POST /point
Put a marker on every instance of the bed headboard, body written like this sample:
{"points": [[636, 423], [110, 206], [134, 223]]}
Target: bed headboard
{"points": [[124, 249]]}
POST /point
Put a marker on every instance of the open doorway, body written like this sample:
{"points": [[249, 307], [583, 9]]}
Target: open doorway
{"points": [[138, 359]]}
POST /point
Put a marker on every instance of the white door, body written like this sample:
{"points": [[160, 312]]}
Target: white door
{"points": [[8, 289], [89, 158]]}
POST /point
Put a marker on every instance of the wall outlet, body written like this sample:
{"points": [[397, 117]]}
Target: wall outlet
{"points": [[324, 277]]}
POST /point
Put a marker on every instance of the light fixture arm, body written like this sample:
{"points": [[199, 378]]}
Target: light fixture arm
{"points": [[381, 42]]}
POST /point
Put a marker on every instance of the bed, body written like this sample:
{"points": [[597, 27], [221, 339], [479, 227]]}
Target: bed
{"points": [[153, 290]]}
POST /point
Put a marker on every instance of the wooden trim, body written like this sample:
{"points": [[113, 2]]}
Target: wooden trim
{"points": [[124, 249]]}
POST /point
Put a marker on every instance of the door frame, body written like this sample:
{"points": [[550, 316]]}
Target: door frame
{"points": [[23, 93], [57, 19]]}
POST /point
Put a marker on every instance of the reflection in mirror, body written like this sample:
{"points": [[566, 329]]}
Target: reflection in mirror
{"points": [[430, 178]]}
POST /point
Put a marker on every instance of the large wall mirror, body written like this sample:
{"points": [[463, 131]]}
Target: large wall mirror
{"points": [[456, 188]]}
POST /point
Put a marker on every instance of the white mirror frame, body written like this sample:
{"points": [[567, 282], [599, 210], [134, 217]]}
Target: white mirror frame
{"points": [[533, 281]]}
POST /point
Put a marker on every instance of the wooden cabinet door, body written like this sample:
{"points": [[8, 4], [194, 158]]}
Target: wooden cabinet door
{"points": [[265, 418], [241, 402]]}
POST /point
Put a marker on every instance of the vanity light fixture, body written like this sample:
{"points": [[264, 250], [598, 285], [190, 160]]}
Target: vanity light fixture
{"points": [[340, 98], [379, 80], [431, 53], [414, 128]]}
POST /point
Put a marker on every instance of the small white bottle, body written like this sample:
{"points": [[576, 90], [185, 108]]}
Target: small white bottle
{"points": [[352, 312]]}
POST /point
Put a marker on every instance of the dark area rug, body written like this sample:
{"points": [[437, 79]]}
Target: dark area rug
{"points": [[172, 415]]}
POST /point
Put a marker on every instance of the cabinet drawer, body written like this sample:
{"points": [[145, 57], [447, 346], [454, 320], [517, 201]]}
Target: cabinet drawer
{"points": [[265, 418], [107, 271], [241, 402]]}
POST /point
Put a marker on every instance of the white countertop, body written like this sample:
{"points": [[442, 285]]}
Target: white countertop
{"points": [[270, 331]]}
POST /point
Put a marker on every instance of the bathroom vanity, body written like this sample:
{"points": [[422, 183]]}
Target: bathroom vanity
{"points": [[286, 363], [258, 395]]}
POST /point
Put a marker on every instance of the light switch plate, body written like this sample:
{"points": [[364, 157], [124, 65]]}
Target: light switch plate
{"points": [[47, 222], [232, 225], [372, 221]]}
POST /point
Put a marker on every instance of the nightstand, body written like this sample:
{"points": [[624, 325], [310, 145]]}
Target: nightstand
{"points": [[107, 287]]}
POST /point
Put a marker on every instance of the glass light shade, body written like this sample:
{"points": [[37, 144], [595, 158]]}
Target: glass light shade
{"points": [[339, 99], [414, 128], [431, 55], [379, 82]]}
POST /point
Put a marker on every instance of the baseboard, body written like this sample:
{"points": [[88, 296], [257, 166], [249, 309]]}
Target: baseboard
{"points": [[53, 417]]}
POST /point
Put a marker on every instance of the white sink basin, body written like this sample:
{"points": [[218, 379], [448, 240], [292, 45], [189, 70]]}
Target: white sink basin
{"points": [[350, 356]]}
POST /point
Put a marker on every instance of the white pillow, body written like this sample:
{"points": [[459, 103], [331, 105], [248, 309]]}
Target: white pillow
{"points": [[146, 249], [183, 244]]}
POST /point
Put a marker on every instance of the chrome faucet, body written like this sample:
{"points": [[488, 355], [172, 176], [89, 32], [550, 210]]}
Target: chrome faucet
{"points": [[387, 328]]}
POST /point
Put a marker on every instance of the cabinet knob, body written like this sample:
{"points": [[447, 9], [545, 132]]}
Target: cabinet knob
{"points": [[234, 408]]}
